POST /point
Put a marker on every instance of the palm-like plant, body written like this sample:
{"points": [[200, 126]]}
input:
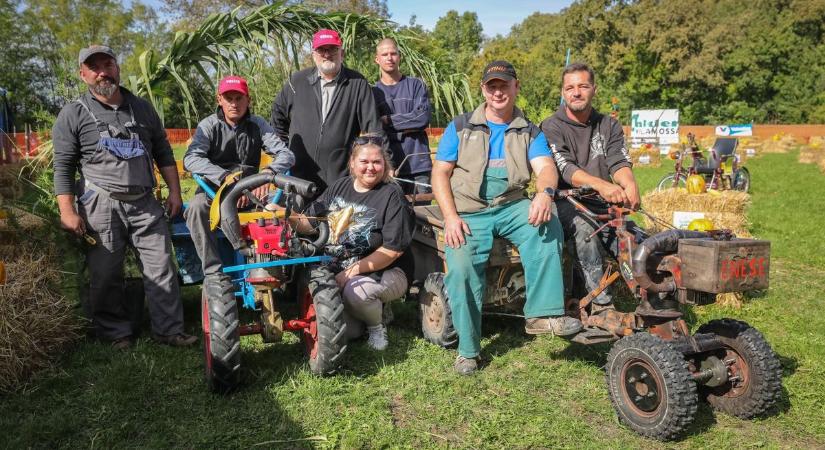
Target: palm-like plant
{"points": [[276, 35]]}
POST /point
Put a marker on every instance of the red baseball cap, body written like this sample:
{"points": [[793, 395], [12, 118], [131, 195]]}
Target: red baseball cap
{"points": [[325, 37], [233, 83]]}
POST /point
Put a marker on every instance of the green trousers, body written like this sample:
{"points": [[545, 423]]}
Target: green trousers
{"points": [[540, 251]]}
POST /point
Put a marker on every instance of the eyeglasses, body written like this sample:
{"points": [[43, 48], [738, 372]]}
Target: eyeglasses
{"points": [[367, 139]]}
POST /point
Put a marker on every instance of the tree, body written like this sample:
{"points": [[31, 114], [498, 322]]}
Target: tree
{"points": [[459, 36]]}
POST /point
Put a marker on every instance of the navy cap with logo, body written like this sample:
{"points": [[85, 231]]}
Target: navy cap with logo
{"points": [[92, 50], [501, 70]]}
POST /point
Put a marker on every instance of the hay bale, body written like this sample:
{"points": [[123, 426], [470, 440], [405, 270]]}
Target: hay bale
{"points": [[816, 141], [36, 322], [646, 156], [810, 154], [726, 209]]}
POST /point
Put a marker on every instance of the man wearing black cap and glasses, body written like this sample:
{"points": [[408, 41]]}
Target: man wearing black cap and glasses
{"points": [[483, 165], [115, 139]]}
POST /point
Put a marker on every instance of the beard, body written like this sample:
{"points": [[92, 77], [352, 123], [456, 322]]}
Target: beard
{"points": [[579, 107], [105, 87], [328, 67]]}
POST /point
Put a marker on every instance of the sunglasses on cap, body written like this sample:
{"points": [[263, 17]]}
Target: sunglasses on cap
{"points": [[367, 139]]}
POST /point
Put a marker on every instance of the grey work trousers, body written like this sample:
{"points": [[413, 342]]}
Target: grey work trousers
{"points": [[587, 255], [206, 244], [364, 298], [141, 224]]}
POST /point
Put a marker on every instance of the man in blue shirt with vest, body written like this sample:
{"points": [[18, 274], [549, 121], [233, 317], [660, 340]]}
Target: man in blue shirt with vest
{"points": [[482, 168]]}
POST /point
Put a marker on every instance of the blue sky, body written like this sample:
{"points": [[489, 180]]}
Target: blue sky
{"points": [[496, 17]]}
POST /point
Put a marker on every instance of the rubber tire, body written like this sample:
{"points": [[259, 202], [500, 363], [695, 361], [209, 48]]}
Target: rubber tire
{"points": [[222, 344], [765, 385], [445, 335], [679, 404], [741, 180], [667, 181], [331, 339]]}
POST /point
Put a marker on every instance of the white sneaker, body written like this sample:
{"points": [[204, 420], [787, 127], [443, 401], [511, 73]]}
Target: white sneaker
{"points": [[377, 339]]}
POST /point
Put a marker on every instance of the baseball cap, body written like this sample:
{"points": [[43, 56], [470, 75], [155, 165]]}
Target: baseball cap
{"points": [[325, 37], [87, 53], [499, 69], [233, 83]]}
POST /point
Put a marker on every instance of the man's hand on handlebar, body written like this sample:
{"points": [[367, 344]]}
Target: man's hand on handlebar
{"points": [[454, 229], [612, 193], [633, 197]]}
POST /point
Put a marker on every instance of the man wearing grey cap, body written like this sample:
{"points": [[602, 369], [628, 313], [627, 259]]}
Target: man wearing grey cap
{"points": [[482, 167], [115, 139]]}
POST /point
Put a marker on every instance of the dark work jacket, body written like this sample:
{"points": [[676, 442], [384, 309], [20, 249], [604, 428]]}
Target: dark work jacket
{"points": [[322, 147], [218, 148]]}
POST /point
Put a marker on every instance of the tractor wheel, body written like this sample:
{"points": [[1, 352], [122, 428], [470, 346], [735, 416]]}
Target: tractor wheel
{"points": [[741, 180], [221, 333], [436, 316], [755, 382], [651, 386], [321, 305], [667, 181]]}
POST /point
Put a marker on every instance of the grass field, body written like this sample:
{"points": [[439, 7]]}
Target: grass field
{"points": [[536, 393]]}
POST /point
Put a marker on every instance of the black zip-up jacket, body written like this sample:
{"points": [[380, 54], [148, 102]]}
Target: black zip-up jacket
{"points": [[597, 147], [322, 147]]}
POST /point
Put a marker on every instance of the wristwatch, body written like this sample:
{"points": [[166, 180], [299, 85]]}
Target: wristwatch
{"points": [[551, 192]]}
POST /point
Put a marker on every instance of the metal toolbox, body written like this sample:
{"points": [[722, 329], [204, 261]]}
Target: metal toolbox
{"points": [[714, 266]]}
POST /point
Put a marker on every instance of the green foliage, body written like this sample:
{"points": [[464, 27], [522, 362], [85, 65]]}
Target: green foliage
{"points": [[271, 40], [717, 61]]}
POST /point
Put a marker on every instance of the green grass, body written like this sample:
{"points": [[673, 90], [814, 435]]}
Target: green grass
{"points": [[535, 392]]}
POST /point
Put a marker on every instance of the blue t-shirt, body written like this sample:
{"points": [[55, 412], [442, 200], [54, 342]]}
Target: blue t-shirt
{"points": [[448, 146]]}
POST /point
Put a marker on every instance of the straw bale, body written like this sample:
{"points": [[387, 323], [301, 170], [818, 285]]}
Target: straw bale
{"points": [[811, 154], [821, 164], [726, 209], [652, 153], [36, 322]]}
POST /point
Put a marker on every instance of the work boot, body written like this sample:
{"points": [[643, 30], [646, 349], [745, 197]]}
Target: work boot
{"points": [[377, 339], [123, 344], [557, 326], [175, 340], [465, 366]]}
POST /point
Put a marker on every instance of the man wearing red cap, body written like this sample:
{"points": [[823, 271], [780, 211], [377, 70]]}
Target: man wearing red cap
{"points": [[228, 141], [322, 109]]}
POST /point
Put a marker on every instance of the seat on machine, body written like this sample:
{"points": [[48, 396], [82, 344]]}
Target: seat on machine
{"points": [[723, 149]]}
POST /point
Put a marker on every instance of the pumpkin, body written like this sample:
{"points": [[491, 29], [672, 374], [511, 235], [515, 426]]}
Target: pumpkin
{"points": [[700, 225], [695, 184]]}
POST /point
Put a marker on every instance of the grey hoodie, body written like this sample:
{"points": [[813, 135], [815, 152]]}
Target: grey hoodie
{"points": [[596, 147]]}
